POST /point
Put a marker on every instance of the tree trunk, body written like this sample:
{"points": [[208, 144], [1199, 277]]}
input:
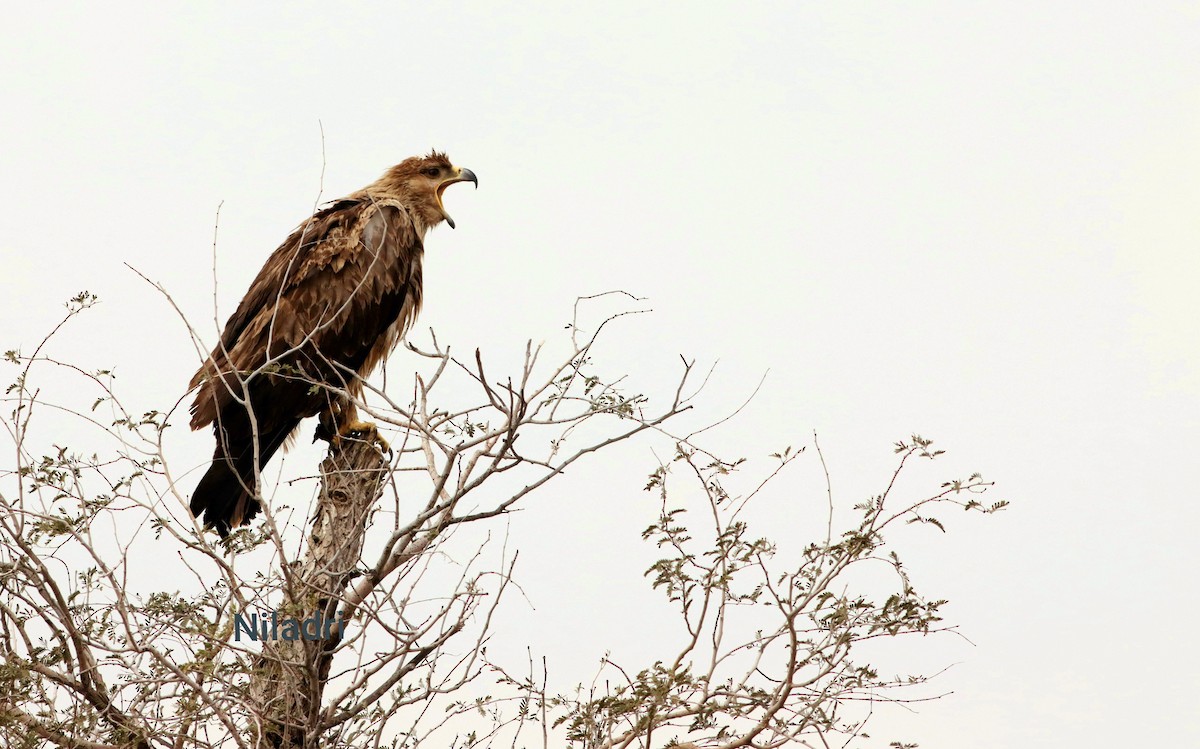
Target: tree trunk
{"points": [[288, 686]]}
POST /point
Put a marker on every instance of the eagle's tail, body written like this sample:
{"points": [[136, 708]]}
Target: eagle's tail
{"points": [[221, 498], [225, 495]]}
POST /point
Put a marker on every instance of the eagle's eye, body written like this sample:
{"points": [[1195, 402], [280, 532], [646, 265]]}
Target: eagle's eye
{"points": [[430, 171]]}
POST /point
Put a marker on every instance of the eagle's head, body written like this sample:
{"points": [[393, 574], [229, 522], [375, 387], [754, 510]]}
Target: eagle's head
{"points": [[419, 183]]}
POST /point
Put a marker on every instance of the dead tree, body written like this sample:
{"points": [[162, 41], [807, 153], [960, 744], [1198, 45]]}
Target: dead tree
{"points": [[288, 686]]}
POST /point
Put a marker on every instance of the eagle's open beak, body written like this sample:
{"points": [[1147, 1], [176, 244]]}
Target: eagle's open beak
{"points": [[460, 175]]}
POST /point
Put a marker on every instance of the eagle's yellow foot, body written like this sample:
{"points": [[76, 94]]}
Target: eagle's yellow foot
{"points": [[361, 430]]}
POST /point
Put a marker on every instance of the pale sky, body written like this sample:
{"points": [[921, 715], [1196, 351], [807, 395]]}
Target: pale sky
{"points": [[974, 221]]}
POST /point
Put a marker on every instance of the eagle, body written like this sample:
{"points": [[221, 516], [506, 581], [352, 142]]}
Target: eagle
{"points": [[327, 307]]}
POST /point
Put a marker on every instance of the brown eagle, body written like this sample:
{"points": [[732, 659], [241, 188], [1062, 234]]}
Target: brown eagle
{"points": [[327, 307]]}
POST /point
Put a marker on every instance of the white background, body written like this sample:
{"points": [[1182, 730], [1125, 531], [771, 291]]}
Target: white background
{"points": [[974, 221]]}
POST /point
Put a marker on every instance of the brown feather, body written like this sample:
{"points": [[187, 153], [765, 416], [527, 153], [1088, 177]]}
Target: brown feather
{"points": [[328, 306]]}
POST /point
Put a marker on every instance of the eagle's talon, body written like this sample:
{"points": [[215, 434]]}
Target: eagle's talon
{"points": [[364, 431]]}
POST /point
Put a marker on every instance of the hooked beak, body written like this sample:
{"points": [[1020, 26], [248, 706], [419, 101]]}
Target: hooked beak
{"points": [[461, 174]]}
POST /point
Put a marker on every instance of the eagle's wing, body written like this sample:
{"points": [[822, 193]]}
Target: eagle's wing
{"points": [[305, 252], [328, 283]]}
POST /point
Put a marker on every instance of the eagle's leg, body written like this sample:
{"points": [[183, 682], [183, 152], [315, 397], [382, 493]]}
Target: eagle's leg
{"points": [[342, 422], [364, 430]]}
